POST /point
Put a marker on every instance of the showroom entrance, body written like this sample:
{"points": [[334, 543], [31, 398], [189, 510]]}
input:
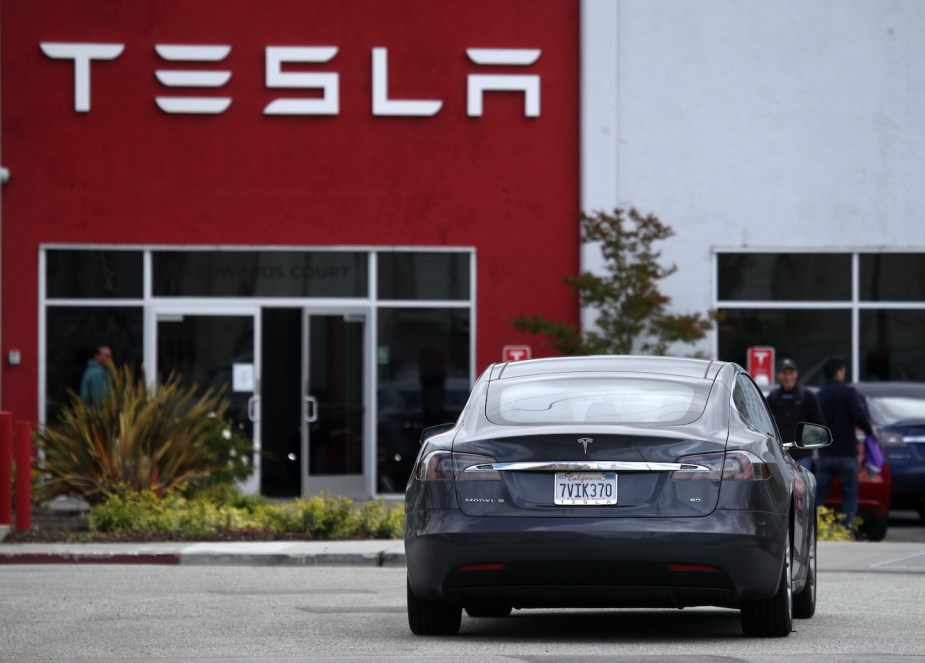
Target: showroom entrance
{"points": [[303, 398]]}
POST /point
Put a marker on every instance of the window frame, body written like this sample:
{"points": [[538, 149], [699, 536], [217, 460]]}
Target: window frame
{"points": [[855, 305]]}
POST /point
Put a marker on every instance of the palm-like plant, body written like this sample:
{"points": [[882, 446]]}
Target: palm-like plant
{"points": [[137, 438]]}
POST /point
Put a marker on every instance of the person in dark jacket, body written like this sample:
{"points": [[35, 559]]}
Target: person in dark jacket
{"points": [[844, 414], [790, 404], [94, 385]]}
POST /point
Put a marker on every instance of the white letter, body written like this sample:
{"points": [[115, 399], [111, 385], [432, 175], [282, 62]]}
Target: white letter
{"points": [[382, 105], [478, 84], [328, 104], [81, 54], [193, 78]]}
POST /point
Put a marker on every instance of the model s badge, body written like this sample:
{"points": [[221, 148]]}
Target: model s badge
{"points": [[584, 442]]}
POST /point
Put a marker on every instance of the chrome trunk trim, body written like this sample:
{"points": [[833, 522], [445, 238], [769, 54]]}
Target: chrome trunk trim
{"points": [[591, 466]]}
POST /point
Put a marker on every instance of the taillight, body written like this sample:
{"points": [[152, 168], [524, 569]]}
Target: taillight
{"points": [[445, 465], [730, 466]]}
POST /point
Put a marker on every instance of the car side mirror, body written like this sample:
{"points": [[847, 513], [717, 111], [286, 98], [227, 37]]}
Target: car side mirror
{"points": [[813, 436], [430, 431]]}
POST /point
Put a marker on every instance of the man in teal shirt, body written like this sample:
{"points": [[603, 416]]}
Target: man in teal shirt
{"points": [[94, 386]]}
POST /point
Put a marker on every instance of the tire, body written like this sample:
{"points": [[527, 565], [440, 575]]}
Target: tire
{"points": [[873, 529], [432, 617], [773, 617], [804, 603], [488, 610]]}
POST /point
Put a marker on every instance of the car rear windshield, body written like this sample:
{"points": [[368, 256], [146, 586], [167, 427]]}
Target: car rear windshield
{"points": [[595, 400]]}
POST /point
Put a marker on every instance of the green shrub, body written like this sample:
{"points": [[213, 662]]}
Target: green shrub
{"points": [[209, 514], [830, 525], [140, 439]]}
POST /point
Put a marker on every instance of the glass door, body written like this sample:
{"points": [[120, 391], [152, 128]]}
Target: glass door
{"points": [[335, 412], [211, 349]]}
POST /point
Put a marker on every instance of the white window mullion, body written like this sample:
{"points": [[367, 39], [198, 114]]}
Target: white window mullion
{"points": [[855, 318]]}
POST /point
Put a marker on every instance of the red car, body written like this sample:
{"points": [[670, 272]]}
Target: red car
{"points": [[874, 492]]}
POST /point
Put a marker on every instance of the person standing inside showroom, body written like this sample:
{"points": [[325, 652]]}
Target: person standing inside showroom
{"points": [[94, 385]]}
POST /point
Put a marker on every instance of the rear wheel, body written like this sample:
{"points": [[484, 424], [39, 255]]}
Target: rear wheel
{"points": [[804, 603], [773, 617], [432, 617]]}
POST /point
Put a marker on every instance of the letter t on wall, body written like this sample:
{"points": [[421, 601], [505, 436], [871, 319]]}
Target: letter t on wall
{"points": [[81, 54]]}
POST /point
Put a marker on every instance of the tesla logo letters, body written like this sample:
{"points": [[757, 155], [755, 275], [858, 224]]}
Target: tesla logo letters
{"points": [[83, 54]]}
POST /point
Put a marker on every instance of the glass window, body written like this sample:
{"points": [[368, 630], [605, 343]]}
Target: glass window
{"points": [[751, 405], [807, 336], [423, 380], [93, 274], [594, 400], [784, 276], [72, 335], [260, 274], [891, 345], [892, 277], [423, 276]]}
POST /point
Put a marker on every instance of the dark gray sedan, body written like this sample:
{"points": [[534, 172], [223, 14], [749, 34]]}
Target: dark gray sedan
{"points": [[611, 482]]}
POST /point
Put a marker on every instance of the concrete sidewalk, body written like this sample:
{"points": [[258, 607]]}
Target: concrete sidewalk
{"points": [[833, 556]]}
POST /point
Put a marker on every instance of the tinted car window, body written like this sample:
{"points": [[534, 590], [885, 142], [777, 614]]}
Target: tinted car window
{"points": [[751, 405], [595, 400]]}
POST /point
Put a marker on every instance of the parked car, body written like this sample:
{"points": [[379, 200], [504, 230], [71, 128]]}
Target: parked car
{"points": [[897, 413], [611, 482], [874, 497]]}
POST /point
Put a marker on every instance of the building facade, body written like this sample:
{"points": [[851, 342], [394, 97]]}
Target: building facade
{"points": [[331, 208], [783, 142], [336, 208]]}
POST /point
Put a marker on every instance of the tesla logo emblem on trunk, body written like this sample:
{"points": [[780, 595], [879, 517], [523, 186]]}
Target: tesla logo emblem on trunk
{"points": [[584, 442]]}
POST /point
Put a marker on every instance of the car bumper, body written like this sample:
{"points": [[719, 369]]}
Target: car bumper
{"points": [[721, 559]]}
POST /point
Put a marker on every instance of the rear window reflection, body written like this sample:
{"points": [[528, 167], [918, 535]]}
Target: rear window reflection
{"points": [[594, 401]]}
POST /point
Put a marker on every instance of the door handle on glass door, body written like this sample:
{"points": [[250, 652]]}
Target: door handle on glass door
{"points": [[311, 409], [253, 409]]}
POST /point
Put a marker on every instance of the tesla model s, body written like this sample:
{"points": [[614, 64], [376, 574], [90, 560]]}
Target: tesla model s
{"points": [[611, 482]]}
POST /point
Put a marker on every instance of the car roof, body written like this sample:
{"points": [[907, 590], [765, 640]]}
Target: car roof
{"points": [[675, 366], [883, 389]]}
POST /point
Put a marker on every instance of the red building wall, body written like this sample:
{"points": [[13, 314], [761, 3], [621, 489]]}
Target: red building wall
{"points": [[127, 172]]}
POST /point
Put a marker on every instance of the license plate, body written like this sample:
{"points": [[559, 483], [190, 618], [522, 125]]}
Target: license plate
{"points": [[585, 488]]}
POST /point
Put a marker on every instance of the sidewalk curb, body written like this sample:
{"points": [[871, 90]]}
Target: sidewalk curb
{"points": [[385, 553]]}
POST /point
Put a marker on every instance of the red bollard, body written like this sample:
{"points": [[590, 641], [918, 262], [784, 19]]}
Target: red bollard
{"points": [[23, 475], [6, 468]]}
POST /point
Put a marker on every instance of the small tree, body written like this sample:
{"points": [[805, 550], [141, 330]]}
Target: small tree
{"points": [[632, 312]]}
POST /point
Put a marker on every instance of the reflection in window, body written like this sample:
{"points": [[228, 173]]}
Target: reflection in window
{"points": [[93, 274], [891, 345], [419, 275], [260, 274], [806, 336], [593, 400], [892, 277], [784, 276], [71, 336], [423, 380]]}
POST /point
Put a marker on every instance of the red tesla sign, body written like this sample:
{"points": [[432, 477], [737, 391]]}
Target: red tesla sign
{"points": [[516, 352], [761, 364]]}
